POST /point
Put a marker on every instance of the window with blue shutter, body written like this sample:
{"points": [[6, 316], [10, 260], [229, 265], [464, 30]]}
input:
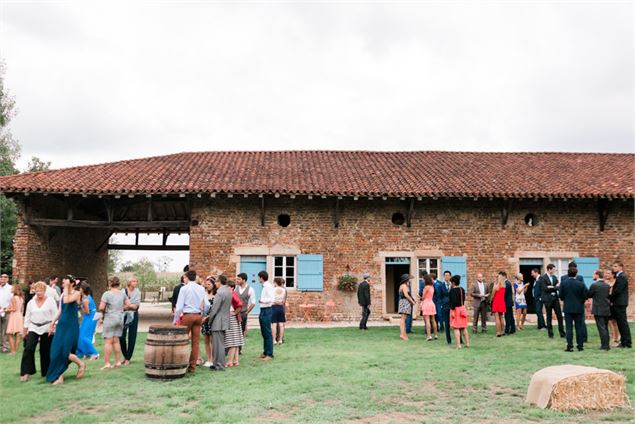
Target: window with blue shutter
{"points": [[457, 265], [310, 273], [586, 268]]}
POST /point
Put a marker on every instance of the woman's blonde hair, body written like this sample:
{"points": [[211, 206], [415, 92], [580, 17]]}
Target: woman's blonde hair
{"points": [[40, 285]]}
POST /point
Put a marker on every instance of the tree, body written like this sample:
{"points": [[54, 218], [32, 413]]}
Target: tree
{"points": [[37, 165], [9, 153], [144, 271], [163, 263]]}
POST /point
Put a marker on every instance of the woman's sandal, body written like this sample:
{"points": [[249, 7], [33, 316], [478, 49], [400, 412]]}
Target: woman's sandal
{"points": [[229, 364], [117, 365], [106, 367]]}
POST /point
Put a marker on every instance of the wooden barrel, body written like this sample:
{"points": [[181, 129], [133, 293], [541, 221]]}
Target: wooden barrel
{"points": [[167, 352]]}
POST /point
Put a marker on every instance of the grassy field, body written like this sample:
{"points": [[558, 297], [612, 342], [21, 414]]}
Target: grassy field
{"points": [[325, 375]]}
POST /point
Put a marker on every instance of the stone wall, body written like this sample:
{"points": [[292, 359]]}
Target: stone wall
{"points": [[229, 227]]}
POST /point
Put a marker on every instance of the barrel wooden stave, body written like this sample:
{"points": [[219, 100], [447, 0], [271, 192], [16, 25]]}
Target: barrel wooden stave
{"points": [[167, 352]]}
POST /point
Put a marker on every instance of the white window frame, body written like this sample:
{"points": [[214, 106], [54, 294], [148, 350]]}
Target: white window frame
{"points": [[427, 267], [562, 265], [284, 270]]}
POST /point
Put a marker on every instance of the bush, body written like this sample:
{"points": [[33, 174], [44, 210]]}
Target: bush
{"points": [[347, 282]]}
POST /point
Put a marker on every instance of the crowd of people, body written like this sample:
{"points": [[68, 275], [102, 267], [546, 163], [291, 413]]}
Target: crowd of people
{"points": [[219, 308], [442, 305], [63, 320]]}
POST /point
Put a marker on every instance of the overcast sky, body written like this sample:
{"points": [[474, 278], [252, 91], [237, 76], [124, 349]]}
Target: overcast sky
{"points": [[112, 81]]}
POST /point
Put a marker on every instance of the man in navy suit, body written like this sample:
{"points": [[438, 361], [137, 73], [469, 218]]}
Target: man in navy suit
{"points": [[581, 279], [444, 303], [535, 273], [574, 293], [435, 299]]}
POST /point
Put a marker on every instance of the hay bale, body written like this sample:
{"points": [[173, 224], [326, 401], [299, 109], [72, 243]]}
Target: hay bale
{"points": [[572, 387]]}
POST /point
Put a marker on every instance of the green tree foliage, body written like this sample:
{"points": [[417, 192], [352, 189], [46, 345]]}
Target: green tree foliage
{"points": [[9, 153], [144, 271], [37, 165]]}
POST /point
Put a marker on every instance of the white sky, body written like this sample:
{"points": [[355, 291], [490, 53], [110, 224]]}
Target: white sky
{"points": [[96, 82]]}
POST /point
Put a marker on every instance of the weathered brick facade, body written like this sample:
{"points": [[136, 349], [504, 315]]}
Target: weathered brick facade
{"points": [[231, 226], [40, 252]]}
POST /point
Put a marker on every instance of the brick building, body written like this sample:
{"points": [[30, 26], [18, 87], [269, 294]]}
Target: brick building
{"points": [[311, 217]]}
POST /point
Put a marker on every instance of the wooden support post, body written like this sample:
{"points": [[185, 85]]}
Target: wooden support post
{"points": [[507, 206], [336, 217], [103, 243], [165, 238], [69, 210], [262, 211], [603, 212], [411, 212], [136, 238], [150, 215]]}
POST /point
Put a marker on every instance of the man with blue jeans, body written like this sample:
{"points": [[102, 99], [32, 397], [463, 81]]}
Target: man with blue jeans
{"points": [[535, 273], [266, 301]]}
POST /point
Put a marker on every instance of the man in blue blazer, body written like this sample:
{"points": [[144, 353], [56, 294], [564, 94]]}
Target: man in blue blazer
{"points": [[574, 293], [444, 303], [435, 299]]}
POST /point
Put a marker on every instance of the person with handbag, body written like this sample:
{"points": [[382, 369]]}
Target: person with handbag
{"points": [[458, 313]]}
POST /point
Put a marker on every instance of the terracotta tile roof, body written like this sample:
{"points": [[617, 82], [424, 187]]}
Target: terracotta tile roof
{"points": [[348, 173]]}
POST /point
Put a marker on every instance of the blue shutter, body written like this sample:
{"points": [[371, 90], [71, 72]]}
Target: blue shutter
{"points": [[310, 273], [586, 268], [457, 266]]}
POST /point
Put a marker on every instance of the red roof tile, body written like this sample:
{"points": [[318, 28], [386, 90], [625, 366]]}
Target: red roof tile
{"points": [[348, 173]]}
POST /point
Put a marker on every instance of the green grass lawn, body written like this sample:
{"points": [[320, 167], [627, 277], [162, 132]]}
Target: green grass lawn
{"points": [[325, 375]]}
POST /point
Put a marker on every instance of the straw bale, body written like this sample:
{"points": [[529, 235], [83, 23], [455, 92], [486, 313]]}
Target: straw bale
{"points": [[573, 387]]}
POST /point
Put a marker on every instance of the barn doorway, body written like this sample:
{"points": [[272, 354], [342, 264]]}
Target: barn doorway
{"points": [[395, 268], [525, 267]]}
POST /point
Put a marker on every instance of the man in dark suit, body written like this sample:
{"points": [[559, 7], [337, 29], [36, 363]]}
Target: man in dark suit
{"points": [[601, 308], [537, 289], [510, 322], [619, 303], [444, 303], [435, 299], [549, 297], [573, 292], [363, 298], [580, 278]]}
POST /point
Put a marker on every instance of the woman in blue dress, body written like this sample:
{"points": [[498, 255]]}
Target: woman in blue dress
{"points": [[85, 346], [66, 329]]}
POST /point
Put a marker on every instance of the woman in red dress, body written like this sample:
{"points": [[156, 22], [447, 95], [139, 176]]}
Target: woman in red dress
{"points": [[498, 305]]}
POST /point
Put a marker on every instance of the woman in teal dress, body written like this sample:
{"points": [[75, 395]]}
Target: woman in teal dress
{"points": [[85, 346], [66, 329]]}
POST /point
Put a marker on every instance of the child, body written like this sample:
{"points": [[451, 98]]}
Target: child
{"points": [[15, 325]]}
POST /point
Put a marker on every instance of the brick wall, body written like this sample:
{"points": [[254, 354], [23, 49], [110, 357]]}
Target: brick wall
{"points": [[44, 251], [448, 227], [452, 227]]}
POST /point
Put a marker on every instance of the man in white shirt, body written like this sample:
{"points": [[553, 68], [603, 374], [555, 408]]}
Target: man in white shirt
{"points": [[5, 299], [266, 301], [247, 296]]}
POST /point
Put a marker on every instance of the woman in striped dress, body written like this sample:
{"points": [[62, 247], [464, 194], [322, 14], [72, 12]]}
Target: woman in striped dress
{"points": [[234, 336]]}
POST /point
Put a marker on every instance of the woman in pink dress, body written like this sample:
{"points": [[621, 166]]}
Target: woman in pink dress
{"points": [[15, 326], [428, 310], [498, 305]]}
